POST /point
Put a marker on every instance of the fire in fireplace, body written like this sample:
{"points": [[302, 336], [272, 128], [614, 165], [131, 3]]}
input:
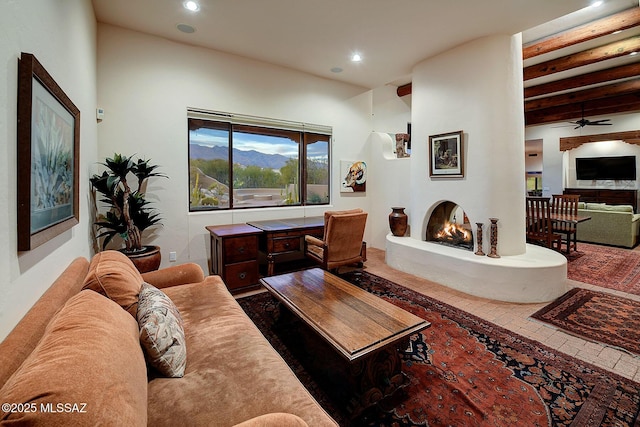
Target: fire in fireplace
{"points": [[449, 225]]}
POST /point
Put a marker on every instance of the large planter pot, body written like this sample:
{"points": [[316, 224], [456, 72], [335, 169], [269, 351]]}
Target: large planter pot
{"points": [[148, 259], [398, 221]]}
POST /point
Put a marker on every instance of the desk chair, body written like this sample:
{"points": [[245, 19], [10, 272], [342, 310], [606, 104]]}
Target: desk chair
{"points": [[539, 229], [566, 204], [342, 243]]}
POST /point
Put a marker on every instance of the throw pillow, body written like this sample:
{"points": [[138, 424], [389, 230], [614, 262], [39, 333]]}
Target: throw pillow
{"points": [[161, 332], [113, 275], [596, 206]]}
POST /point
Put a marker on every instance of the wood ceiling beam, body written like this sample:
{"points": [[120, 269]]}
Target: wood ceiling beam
{"points": [[579, 59], [617, 22], [571, 112], [607, 91], [404, 90], [548, 119], [596, 77]]}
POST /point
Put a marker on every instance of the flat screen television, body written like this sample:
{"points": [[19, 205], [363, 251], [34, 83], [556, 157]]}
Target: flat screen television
{"points": [[617, 168]]}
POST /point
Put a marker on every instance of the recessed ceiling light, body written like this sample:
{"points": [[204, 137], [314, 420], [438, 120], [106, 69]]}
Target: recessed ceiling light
{"points": [[192, 6], [186, 28], [596, 3], [356, 57], [633, 53], [336, 70]]}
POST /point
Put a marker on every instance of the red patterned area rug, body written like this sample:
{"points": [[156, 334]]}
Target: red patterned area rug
{"points": [[465, 371], [605, 266], [597, 316]]}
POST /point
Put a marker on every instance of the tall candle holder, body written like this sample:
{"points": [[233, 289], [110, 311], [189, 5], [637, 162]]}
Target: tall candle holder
{"points": [[494, 238], [479, 239]]}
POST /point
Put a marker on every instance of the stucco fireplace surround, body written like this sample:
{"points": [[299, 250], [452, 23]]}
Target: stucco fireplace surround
{"points": [[464, 89]]}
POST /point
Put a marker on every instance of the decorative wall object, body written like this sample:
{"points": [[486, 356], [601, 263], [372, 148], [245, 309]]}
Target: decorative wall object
{"points": [[494, 238], [48, 156], [402, 140], [355, 176], [446, 155], [479, 251], [398, 221]]}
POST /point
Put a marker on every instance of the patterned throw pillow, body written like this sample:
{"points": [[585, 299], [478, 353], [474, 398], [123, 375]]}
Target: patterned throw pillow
{"points": [[161, 332]]}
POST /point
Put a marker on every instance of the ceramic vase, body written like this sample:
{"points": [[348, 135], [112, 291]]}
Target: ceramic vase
{"points": [[398, 221]]}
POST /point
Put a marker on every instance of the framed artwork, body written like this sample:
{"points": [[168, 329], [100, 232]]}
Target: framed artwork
{"points": [[446, 155], [355, 176], [48, 156]]}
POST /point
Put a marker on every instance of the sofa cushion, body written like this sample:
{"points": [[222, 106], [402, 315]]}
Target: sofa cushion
{"points": [[89, 358], [113, 275], [161, 332], [618, 208], [233, 373], [595, 206]]}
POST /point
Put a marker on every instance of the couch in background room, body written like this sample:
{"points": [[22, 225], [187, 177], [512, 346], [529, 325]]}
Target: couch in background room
{"points": [[615, 225], [80, 346]]}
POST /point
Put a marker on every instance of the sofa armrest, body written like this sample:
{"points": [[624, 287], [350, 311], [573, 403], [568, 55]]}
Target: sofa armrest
{"points": [[278, 419], [175, 275]]}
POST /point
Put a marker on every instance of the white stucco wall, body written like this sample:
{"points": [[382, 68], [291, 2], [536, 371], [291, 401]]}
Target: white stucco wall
{"points": [[145, 86], [61, 35]]}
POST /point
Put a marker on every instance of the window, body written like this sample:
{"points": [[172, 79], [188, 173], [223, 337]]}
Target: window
{"points": [[534, 183], [246, 162]]}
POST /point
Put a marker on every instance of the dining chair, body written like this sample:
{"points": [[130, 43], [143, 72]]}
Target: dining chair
{"points": [[539, 229], [566, 205], [342, 243]]}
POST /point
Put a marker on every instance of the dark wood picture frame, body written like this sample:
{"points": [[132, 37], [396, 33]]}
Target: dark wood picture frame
{"points": [[48, 156], [446, 155]]}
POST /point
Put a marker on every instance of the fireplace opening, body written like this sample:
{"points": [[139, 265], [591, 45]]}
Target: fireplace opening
{"points": [[449, 225]]}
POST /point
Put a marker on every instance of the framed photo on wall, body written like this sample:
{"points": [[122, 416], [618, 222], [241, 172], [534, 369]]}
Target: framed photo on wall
{"points": [[48, 156], [446, 155]]}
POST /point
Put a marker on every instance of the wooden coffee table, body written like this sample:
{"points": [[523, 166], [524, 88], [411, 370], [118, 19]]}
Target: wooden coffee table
{"points": [[366, 331]]}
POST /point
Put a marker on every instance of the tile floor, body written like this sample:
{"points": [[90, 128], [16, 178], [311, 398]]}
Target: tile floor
{"points": [[515, 317]]}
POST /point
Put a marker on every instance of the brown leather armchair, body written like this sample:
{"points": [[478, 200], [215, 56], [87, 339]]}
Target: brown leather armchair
{"points": [[342, 243]]}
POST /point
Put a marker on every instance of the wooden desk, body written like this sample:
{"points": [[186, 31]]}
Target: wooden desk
{"points": [[363, 329], [234, 255], [283, 239]]}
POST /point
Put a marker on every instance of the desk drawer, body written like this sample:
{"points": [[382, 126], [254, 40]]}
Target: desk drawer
{"points": [[239, 249], [286, 244], [241, 274]]}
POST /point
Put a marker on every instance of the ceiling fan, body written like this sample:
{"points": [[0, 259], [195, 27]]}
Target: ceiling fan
{"points": [[586, 122]]}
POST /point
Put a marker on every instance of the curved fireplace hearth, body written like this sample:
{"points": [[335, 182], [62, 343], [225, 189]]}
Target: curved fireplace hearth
{"points": [[538, 275]]}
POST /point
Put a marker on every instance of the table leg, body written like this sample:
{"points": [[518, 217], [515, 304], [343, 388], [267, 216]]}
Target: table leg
{"points": [[375, 378], [270, 265]]}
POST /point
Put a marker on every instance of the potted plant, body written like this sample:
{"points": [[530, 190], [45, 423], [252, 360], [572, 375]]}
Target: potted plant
{"points": [[129, 213]]}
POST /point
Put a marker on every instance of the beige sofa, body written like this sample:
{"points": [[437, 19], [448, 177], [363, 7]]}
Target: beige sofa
{"points": [[76, 358], [615, 225]]}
